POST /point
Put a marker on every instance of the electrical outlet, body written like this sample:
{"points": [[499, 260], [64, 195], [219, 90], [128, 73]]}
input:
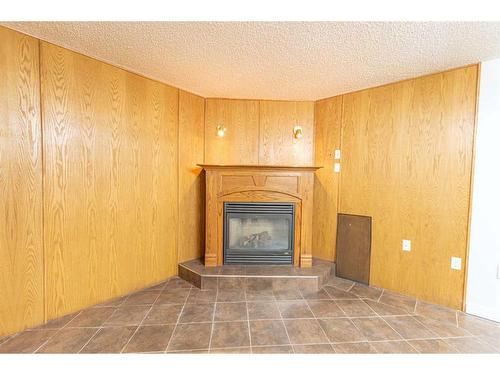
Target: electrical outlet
{"points": [[498, 271], [406, 245], [337, 155], [456, 263], [336, 167]]}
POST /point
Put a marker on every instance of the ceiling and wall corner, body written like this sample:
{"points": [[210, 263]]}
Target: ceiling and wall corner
{"points": [[276, 60]]}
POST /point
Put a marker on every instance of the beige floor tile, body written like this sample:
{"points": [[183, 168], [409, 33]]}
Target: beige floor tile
{"points": [[268, 332], [150, 339], [341, 330], [393, 347], [375, 329], [230, 335], [409, 328], [194, 336], [354, 348], [305, 331], [68, 340]]}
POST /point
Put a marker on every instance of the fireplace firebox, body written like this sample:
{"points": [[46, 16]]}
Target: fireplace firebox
{"points": [[258, 233]]}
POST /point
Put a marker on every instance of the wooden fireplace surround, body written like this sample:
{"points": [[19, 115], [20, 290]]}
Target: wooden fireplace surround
{"points": [[252, 183]]}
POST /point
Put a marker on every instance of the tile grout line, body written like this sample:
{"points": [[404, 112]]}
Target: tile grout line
{"points": [[9, 338], [481, 340], [348, 290], [316, 318], [391, 327], [139, 326], [284, 325], [380, 297], [177, 322], [91, 337], [377, 315], [248, 322], [356, 298], [57, 331], [409, 343], [274, 319], [213, 318], [437, 337]]}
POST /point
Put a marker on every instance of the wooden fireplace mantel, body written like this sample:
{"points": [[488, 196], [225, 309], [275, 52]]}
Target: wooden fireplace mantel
{"points": [[258, 183]]}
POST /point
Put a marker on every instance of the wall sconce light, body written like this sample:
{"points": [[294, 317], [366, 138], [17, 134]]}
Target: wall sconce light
{"points": [[221, 130], [297, 132]]}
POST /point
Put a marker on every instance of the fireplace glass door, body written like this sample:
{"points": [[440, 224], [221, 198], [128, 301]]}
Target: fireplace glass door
{"points": [[258, 233]]}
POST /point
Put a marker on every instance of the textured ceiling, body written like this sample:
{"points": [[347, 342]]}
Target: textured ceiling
{"points": [[276, 60]]}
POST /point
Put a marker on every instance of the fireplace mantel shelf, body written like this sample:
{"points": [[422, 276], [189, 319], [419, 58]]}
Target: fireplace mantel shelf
{"points": [[261, 167]]}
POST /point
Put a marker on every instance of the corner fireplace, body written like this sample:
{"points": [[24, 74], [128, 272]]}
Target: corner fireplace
{"points": [[258, 233]]}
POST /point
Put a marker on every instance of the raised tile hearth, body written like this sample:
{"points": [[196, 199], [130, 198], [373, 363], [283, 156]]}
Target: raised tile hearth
{"points": [[255, 277]]}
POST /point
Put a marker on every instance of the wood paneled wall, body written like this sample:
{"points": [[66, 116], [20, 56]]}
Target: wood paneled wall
{"points": [[119, 155], [191, 180], [111, 167], [240, 145], [259, 132], [21, 248], [406, 161], [278, 145], [328, 123]]}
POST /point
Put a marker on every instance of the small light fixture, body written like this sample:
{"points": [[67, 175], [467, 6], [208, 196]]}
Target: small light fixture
{"points": [[297, 132], [221, 130]]}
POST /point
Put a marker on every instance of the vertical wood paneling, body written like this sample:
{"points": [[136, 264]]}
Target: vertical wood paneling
{"points": [[406, 162], [240, 145], [277, 144], [110, 143], [191, 180], [328, 122], [21, 251]]}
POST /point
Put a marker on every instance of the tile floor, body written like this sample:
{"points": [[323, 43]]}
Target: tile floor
{"points": [[343, 317]]}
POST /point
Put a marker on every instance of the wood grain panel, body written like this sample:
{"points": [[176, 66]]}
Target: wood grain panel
{"points": [[21, 251], [328, 123], [191, 180], [110, 144], [240, 145], [407, 151], [277, 144]]}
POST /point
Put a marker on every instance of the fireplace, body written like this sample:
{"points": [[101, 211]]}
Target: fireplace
{"points": [[258, 233], [243, 192]]}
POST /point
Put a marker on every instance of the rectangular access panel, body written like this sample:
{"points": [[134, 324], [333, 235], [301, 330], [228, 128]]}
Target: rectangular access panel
{"points": [[354, 234]]}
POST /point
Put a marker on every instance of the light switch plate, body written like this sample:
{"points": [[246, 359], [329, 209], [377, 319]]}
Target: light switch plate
{"points": [[406, 245], [336, 167], [337, 155], [456, 263]]}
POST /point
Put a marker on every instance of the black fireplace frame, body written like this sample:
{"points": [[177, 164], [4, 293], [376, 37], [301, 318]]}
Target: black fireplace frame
{"points": [[253, 256]]}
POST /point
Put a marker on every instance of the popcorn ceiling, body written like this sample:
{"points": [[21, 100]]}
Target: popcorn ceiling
{"points": [[289, 61]]}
